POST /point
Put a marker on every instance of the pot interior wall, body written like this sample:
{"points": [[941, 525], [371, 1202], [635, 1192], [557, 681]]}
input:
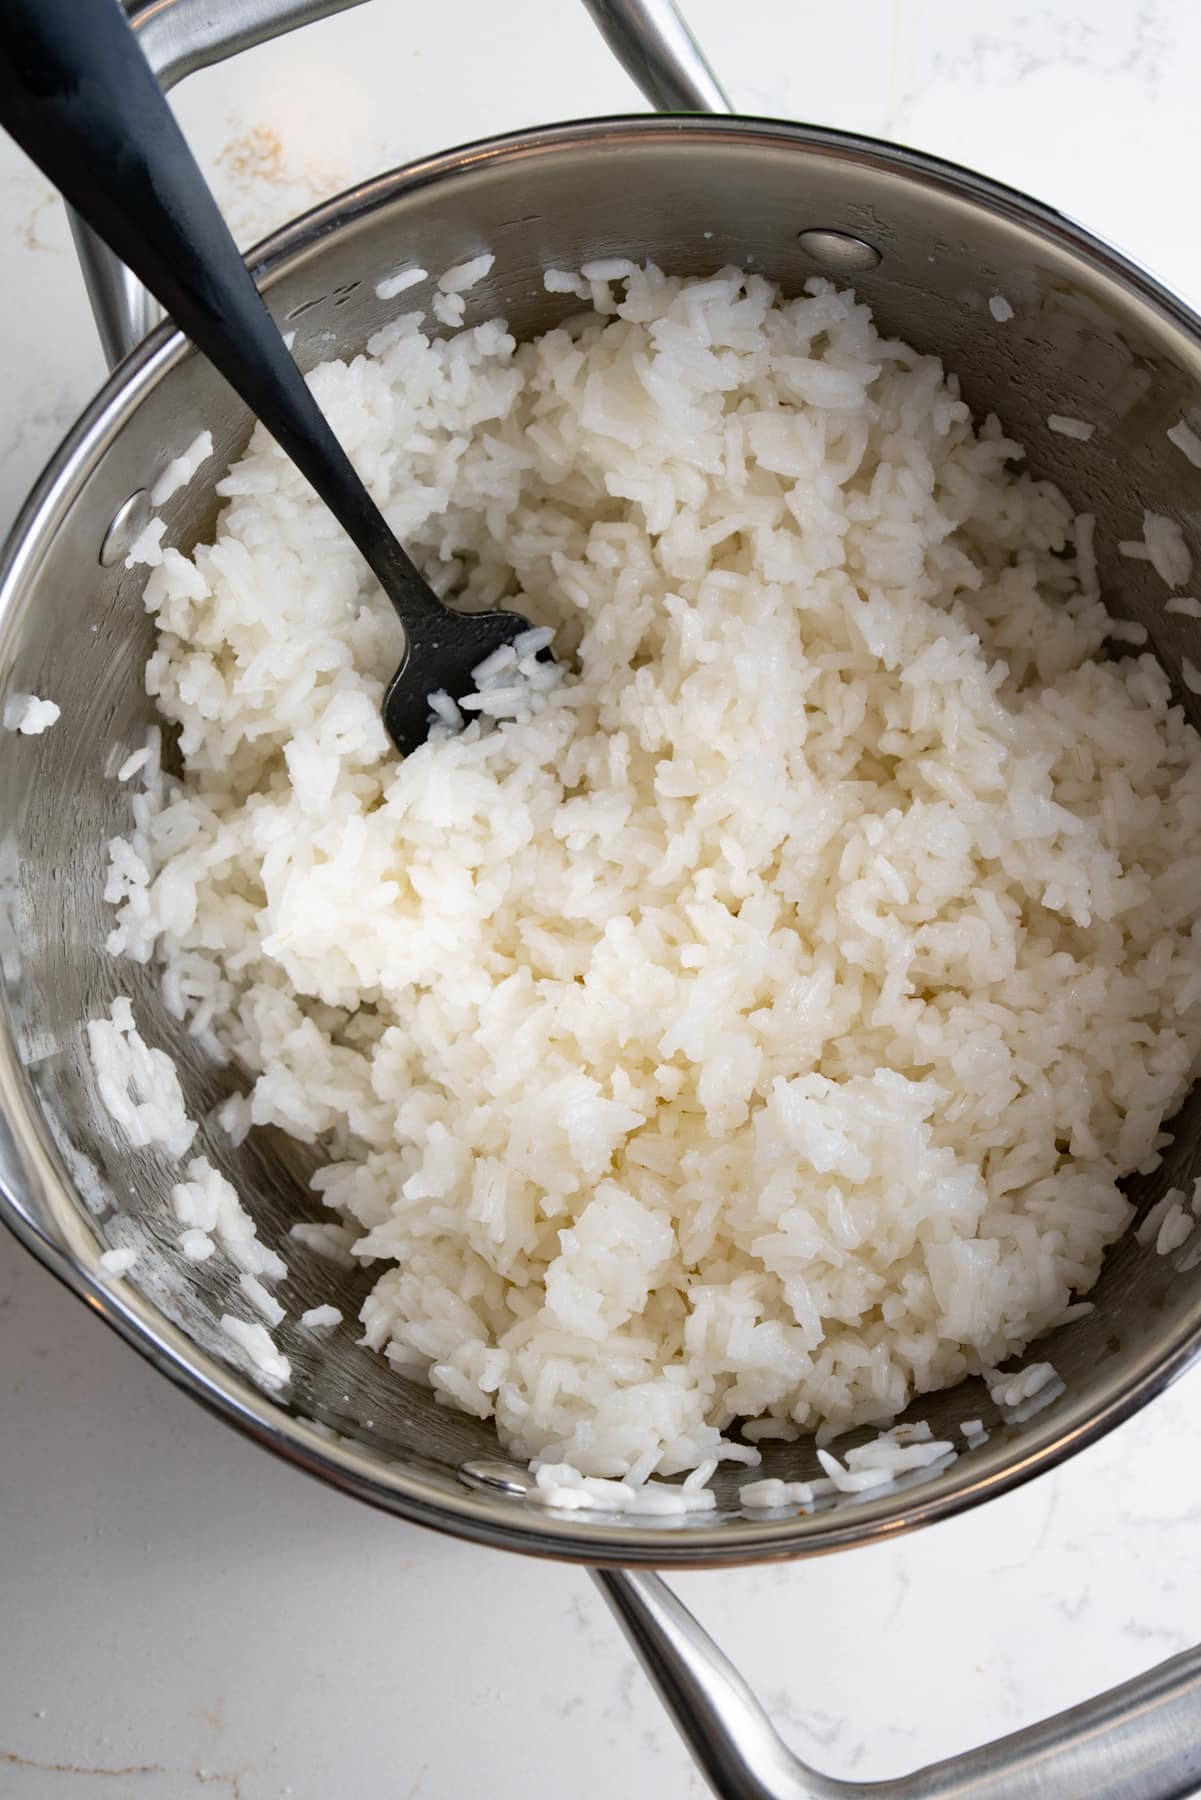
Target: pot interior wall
{"points": [[691, 195]]}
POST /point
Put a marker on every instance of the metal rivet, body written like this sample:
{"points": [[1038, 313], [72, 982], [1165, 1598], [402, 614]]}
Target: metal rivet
{"points": [[128, 523], [838, 249], [495, 1477]]}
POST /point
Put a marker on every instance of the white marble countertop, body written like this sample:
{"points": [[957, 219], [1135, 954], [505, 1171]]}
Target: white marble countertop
{"points": [[184, 1615]]}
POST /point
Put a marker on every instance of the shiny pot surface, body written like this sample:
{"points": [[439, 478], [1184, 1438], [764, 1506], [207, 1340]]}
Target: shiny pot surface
{"points": [[1090, 337]]}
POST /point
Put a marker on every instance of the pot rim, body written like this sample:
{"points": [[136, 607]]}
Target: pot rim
{"points": [[31, 1167]]}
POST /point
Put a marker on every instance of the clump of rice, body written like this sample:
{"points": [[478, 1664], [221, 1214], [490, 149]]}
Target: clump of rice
{"points": [[208, 1202], [1011, 1390], [1163, 545], [758, 1023], [147, 547], [29, 715], [140, 1089], [563, 1486], [139, 1086], [180, 470]]}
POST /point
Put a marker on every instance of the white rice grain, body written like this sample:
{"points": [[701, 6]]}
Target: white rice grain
{"points": [[1148, 1227], [854, 1481], [1175, 1229], [197, 1246], [333, 1242], [26, 714], [255, 1342], [562, 1485], [320, 1318], [135, 761], [449, 309], [392, 285], [137, 1085], [147, 547], [1012, 1390], [259, 1297], [1187, 441], [464, 275], [773, 1494], [180, 471], [1069, 427], [1170, 556], [120, 1261]]}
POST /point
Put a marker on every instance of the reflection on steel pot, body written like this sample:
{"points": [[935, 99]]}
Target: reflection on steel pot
{"points": [[926, 245]]}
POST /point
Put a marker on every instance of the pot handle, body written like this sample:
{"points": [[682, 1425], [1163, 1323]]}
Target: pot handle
{"points": [[657, 50], [1139, 1741], [648, 37], [177, 37]]}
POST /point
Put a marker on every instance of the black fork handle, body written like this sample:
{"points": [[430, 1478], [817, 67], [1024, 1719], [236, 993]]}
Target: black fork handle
{"points": [[80, 99]]}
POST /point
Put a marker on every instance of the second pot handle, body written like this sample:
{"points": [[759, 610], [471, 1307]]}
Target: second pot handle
{"points": [[1139, 1741], [648, 37], [177, 37], [655, 47]]}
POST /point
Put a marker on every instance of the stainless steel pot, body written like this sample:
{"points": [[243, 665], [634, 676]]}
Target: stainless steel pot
{"points": [[926, 244]]}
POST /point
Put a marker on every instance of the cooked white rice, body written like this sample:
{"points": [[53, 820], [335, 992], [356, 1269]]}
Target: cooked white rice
{"points": [[563, 1486], [773, 1493], [392, 285], [1011, 1390], [1065, 426], [147, 547], [1187, 442], [261, 1298], [181, 469], [1170, 555], [1149, 1224], [138, 1085], [258, 1348], [30, 716], [320, 1318], [196, 1245], [208, 1202], [449, 309], [1176, 1229], [134, 763], [464, 275], [762, 1025], [119, 1261]]}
